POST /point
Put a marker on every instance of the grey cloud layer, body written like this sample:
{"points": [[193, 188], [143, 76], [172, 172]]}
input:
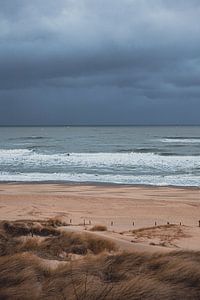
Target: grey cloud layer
{"points": [[126, 57]]}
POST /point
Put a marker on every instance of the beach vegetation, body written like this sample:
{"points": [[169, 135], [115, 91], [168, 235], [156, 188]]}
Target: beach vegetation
{"points": [[79, 266]]}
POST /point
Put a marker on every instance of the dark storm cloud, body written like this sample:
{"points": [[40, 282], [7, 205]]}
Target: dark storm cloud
{"points": [[115, 61]]}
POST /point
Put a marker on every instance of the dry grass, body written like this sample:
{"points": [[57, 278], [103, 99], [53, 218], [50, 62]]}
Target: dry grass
{"points": [[26, 227], [97, 276], [20, 277], [125, 276], [56, 222], [99, 228], [61, 246], [164, 234], [48, 242]]}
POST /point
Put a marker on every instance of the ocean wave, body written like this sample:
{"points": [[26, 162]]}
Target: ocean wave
{"points": [[13, 152], [173, 180], [33, 137], [141, 150], [155, 150], [36, 147], [183, 137], [181, 140], [29, 158]]}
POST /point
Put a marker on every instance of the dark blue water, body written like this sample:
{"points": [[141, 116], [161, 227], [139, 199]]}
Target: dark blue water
{"points": [[130, 155]]}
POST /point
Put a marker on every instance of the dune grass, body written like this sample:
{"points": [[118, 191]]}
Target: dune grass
{"points": [[48, 242], [99, 228], [166, 234], [18, 228], [26, 271], [120, 276]]}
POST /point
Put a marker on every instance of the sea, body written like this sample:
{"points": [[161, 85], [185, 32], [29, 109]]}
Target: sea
{"points": [[136, 155]]}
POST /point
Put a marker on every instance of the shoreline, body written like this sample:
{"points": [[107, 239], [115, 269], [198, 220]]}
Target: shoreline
{"points": [[106, 184]]}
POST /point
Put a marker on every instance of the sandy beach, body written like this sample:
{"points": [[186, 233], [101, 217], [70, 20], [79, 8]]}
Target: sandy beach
{"points": [[121, 208], [75, 241]]}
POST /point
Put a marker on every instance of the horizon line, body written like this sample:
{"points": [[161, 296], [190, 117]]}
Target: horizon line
{"points": [[94, 125]]}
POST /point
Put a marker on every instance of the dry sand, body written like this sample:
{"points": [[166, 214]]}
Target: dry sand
{"points": [[122, 205]]}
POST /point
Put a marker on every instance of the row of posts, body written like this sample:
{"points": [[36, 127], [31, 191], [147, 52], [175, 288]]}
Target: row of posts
{"points": [[112, 223]]}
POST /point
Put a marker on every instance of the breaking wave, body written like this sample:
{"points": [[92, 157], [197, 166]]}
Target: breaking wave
{"points": [[121, 167], [175, 180]]}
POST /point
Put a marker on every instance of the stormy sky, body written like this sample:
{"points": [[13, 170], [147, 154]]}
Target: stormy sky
{"points": [[99, 62]]}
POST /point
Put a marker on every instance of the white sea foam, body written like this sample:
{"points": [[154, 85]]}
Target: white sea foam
{"points": [[90, 160], [180, 141], [6, 153], [175, 180], [127, 168]]}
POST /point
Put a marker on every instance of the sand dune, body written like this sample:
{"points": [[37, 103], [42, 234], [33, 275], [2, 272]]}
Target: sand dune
{"points": [[53, 247]]}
